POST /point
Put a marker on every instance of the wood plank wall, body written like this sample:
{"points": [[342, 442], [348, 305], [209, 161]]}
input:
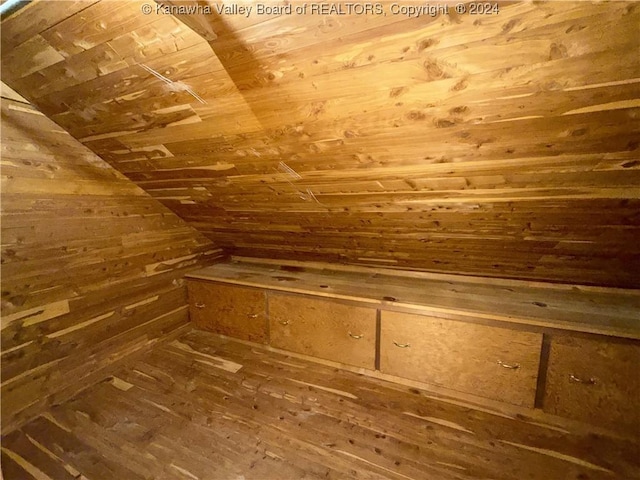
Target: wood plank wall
{"points": [[92, 266], [503, 144]]}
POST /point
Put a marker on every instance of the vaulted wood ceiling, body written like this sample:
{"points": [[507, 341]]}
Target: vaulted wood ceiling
{"points": [[502, 144]]}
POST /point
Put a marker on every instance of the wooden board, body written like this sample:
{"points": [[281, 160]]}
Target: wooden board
{"points": [[594, 380], [247, 412], [500, 144], [92, 267], [324, 329], [229, 310], [607, 311], [491, 362]]}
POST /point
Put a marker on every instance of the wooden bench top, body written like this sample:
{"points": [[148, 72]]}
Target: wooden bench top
{"points": [[601, 310]]}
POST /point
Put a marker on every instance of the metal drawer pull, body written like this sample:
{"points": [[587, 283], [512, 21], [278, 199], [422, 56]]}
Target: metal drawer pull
{"points": [[252, 315], [515, 366], [589, 381], [357, 337], [284, 322], [199, 305], [401, 345]]}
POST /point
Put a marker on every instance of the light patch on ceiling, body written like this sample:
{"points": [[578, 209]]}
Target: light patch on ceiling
{"points": [[174, 86], [290, 172]]}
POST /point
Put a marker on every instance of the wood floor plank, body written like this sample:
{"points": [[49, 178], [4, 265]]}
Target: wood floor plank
{"points": [[377, 410], [72, 448], [21, 447], [208, 407], [12, 469]]}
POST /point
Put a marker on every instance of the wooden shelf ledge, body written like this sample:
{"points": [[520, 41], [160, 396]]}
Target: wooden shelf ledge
{"points": [[579, 308]]}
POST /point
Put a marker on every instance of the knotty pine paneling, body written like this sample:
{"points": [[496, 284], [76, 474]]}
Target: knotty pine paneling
{"points": [[499, 145], [92, 266]]}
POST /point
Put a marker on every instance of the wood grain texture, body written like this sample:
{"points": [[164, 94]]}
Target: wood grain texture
{"points": [[500, 145], [323, 328], [168, 415], [92, 266], [229, 310], [593, 380], [607, 311], [492, 362]]}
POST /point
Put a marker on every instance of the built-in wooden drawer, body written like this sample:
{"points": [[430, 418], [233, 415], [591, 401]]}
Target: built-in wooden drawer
{"points": [[594, 380], [492, 362], [229, 310], [323, 328]]}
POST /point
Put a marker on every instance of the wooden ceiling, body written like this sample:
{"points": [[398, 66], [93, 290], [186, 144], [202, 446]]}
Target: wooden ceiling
{"points": [[502, 144]]}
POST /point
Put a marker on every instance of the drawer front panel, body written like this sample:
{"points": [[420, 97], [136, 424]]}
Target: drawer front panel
{"points": [[492, 362], [228, 310], [324, 329], [594, 380]]}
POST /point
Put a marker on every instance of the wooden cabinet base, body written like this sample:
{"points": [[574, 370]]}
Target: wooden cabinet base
{"points": [[324, 329], [492, 362], [229, 310], [523, 345], [594, 381]]}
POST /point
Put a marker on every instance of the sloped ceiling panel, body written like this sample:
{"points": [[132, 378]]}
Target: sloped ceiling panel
{"points": [[501, 144]]}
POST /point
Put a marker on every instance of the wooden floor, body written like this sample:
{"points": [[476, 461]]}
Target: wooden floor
{"points": [[205, 407]]}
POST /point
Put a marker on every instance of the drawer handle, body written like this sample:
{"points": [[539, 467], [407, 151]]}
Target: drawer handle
{"points": [[357, 337], [199, 305], [401, 345], [515, 366], [252, 315], [589, 381], [284, 322]]}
